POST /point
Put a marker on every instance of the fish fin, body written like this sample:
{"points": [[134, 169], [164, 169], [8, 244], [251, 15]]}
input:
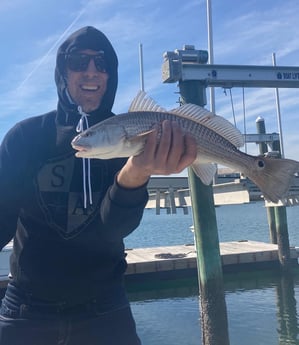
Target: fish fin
{"points": [[138, 141], [274, 177], [214, 122], [145, 133], [205, 171], [140, 135], [142, 102]]}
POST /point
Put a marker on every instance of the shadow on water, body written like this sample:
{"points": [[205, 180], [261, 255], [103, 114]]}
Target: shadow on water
{"points": [[261, 307]]}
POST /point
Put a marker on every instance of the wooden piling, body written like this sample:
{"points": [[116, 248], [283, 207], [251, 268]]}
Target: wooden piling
{"points": [[182, 201], [263, 148], [282, 232], [213, 305], [272, 224], [172, 200], [282, 238], [158, 206], [277, 215]]}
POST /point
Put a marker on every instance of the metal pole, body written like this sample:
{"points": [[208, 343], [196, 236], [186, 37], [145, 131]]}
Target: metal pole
{"points": [[211, 61], [211, 51], [213, 306], [261, 129], [141, 67], [278, 112]]}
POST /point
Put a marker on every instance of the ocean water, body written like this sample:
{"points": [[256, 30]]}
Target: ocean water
{"points": [[261, 306], [235, 222]]}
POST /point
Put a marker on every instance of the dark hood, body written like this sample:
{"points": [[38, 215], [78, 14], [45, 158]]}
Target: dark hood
{"points": [[86, 38]]}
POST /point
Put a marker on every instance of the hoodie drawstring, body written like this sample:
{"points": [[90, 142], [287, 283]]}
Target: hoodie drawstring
{"points": [[80, 128]]}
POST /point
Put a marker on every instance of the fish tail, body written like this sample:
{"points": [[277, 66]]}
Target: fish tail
{"points": [[273, 176]]}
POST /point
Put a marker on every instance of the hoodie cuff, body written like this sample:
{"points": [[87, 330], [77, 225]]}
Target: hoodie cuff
{"points": [[128, 197]]}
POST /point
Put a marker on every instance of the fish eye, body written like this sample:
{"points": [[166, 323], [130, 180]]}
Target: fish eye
{"points": [[88, 134], [261, 163]]}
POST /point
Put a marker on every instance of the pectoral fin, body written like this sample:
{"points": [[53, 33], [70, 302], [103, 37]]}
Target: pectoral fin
{"points": [[146, 133], [205, 171], [140, 136]]}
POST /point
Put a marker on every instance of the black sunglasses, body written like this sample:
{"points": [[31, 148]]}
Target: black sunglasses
{"points": [[78, 62]]}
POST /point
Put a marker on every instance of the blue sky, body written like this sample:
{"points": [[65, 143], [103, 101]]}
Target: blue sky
{"points": [[244, 33]]}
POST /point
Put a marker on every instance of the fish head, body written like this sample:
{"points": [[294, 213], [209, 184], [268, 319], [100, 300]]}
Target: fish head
{"points": [[105, 141]]}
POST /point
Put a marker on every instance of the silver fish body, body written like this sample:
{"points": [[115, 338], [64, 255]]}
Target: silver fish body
{"points": [[217, 140]]}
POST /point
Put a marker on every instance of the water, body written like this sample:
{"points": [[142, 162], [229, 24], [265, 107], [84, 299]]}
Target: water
{"points": [[235, 222], [261, 306]]}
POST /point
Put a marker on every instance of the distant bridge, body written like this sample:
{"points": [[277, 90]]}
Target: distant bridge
{"points": [[171, 193]]}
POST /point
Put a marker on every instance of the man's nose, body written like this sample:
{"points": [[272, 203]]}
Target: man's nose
{"points": [[91, 68]]}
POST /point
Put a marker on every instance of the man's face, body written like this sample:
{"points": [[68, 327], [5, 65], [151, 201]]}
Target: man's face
{"points": [[87, 87]]}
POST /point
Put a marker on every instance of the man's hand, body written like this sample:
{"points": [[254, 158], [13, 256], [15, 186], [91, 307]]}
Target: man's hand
{"points": [[170, 154]]}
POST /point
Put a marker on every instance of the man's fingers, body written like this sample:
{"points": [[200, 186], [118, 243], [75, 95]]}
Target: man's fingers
{"points": [[151, 144], [167, 150], [165, 142], [176, 147], [190, 152]]}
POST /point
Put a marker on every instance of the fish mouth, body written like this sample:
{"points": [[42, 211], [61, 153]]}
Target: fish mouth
{"points": [[82, 151], [80, 148]]}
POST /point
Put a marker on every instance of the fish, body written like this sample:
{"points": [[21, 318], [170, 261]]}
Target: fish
{"points": [[218, 142]]}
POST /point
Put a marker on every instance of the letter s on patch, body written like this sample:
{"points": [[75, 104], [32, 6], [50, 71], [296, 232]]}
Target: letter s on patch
{"points": [[58, 176]]}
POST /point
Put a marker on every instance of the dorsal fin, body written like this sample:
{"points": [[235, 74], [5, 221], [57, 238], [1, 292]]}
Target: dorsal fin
{"points": [[214, 122], [142, 102]]}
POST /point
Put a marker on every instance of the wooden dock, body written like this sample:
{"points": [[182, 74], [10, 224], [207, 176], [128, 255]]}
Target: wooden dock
{"points": [[180, 261], [173, 262]]}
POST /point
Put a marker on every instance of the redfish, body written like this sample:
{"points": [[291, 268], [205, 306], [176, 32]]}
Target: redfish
{"points": [[217, 140]]}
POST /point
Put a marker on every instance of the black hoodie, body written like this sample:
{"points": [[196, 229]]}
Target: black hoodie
{"points": [[63, 251]]}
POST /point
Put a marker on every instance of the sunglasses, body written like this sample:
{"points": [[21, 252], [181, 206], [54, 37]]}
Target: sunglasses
{"points": [[79, 62]]}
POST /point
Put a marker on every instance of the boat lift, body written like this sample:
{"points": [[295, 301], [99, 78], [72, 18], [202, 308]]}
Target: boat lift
{"points": [[191, 64]]}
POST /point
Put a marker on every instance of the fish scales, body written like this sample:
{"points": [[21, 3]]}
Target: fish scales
{"points": [[210, 145], [217, 140]]}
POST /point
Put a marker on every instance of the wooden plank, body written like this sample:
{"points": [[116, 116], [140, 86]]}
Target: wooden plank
{"points": [[162, 259], [181, 257], [246, 252]]}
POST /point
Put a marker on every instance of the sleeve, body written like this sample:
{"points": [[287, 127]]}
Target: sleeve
{"points": [[12, 163], [122, 208]]}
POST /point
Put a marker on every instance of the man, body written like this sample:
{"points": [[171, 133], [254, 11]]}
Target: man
{"points": [[68, 216]]}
